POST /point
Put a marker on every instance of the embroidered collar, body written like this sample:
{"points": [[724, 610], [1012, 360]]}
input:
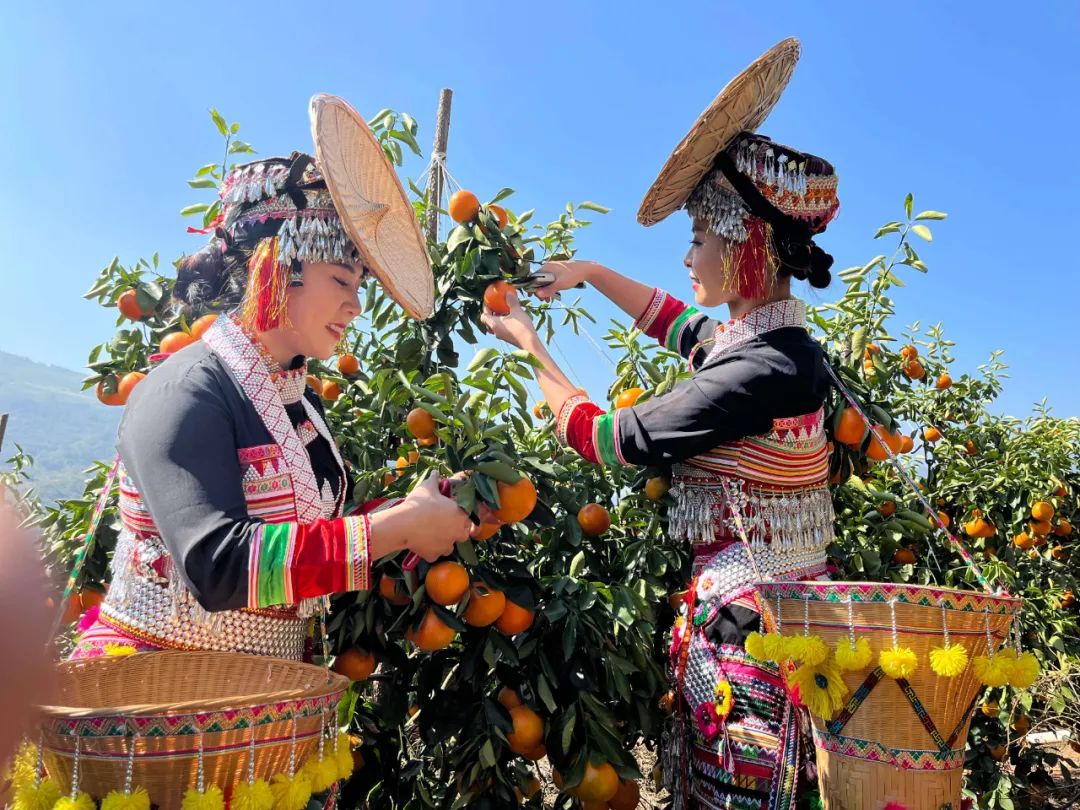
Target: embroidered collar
{"points": [[291, 382], [774, 315]]}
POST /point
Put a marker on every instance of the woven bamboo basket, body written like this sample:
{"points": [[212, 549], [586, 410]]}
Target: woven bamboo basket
{"points": [[896, 740], [162, 703]]}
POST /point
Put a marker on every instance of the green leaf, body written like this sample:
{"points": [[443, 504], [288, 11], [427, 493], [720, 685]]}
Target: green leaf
{"points": [[591, 206], [923, 231], [197, 208], [577, 564], [203, 182], [908, 202], [502, 195], [234, 128], [931, 215], [487, 754], [500, 471], [240, 147], [892, 227], [219, 122], [482, 356]]}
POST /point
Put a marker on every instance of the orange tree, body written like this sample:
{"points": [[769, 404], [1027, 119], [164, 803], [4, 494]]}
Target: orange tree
{"points": [[545, 640]]}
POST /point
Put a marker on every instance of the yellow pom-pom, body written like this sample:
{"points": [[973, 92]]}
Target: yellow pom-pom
{"points": [[290, 794], [80, 802], [821, 688], [814, 650], [21, 770], [138, 799], [1024, 671], [343, 756], [209, 799], [850, 658], [755, 646], [115, 650], [773, 647], [992, 671], [42, 797], [948, 662], [792, 648], [256, 796], [898, 662]]}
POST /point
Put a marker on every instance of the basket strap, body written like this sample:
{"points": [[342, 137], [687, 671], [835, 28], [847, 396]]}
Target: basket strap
{"points": [[965, 555], [87, 544], [963, 721], [923, 715], [856, 700]]}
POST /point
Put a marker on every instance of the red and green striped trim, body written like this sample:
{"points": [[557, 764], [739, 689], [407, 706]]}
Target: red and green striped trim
{"points": [[673, 340], [606, 439]]}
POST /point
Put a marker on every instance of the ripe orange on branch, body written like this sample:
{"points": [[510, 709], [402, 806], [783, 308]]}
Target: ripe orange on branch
{"points": [[1041, 510], [128, 304], [200, 327], [420, 423], [393, 591], [355, 664], [500, 215], [331, 390], [485, 606], [516, 500], [528, 730], [932, 435], [495, 296], [656, 488], [348, 364], [432, 634], [850, 430], [508, 698], [594, 519], [447, 582], [107, 398], [175, 341], [463, 206], [880, 440], [514, 619], [628, 397], [600, 783], [128, 383]]}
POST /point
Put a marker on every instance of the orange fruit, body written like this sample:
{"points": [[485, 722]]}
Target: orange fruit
{"points": [[932, 435], [109, 399], [128, 383], [432, 634], [348, 364], [1067, 600], [532, 787], [393, 591], [314, 383], [73, 609], [882, 438], [656, 488], [978, 526], [428, 441], [355, 664], [850, 430], [1022, 540], [536, 754], [944, 519], [871, 349], [1058, 552], [628, 397], [1063, 529], [420, 423], [1021, 724], [538, 409], [528, 730], [904, 556], [1061, 491], [495, 296], [128, 304], [887, 508], [599, 784], [906, 444], [626, 797], [1040, 528], [508, 698], [667, 702], [514, 619], [446, 582], [198, 329], [971, 448], [914, 370], [516, 500], [943, 382], [485, 606], [487, 531], [593, 519], [999, 751], [330, 391], [463, 206], [1041, 510], [990, 708], [175, 341], [500, 215], [909, 352]]}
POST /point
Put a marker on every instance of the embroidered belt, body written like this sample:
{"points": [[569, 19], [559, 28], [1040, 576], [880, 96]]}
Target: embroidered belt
{"points": [[151, 613]]}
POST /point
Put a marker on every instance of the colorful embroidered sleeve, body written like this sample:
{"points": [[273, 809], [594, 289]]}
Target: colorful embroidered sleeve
{"points": [[184, 461], [678, 327], [736, 396]]}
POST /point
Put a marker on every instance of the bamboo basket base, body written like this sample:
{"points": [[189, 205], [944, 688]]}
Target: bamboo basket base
{"points": [[847, 783]]}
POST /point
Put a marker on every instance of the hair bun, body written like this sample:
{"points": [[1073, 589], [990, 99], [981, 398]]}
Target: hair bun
{"points": [[204, 277], [820, 262]]}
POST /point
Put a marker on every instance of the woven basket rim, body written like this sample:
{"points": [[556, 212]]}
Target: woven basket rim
{"points": [[845, 584], [329, 683]]}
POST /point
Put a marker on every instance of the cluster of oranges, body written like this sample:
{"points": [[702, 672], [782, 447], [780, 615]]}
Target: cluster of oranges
{"points": [[1041, 527], [910, 365], [464, 207], [851, 430], [601, 788]]}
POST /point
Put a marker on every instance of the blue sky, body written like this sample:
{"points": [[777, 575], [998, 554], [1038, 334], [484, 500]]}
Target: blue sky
{"points": [[971, 106]]}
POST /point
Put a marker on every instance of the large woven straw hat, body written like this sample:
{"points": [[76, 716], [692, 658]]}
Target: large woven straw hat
{"points": [[372, 204], [741, 107]]}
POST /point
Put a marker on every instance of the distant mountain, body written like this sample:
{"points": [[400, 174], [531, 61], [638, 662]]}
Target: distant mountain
{"points": [[62, 427]]}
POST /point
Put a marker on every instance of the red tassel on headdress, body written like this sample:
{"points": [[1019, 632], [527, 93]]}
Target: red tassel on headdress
{"points": [[265, 303], [750, 261]]}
